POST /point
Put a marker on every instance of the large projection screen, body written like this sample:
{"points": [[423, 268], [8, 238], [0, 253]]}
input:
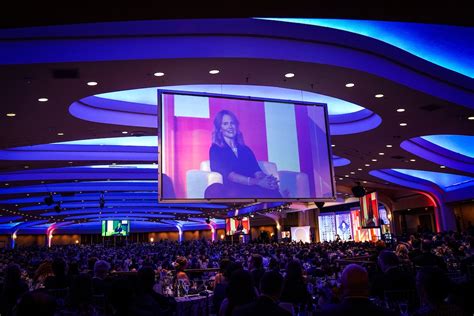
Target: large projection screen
{"points": [[230, 148]]}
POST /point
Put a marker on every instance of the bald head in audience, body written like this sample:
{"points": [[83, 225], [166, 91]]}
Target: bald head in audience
{"points": [[355, 281]]}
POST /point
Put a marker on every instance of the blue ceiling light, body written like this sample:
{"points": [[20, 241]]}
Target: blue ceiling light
{"points": [[138, 107], [461, 144], [339, 161], [446, 181], [148, 96], [453, 151], [453, 52], [142, 141]]}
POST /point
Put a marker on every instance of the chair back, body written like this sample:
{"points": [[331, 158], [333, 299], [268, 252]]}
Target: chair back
{"points": [[394, 298]]}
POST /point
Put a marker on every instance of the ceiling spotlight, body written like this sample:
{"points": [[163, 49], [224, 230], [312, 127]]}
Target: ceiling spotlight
{"points": [[349, 85], [346, 175], [333, 145], [92, 83], [471, 118], [11, 114], [388, 146], [381, 154], [379, 95], [352, 172], [360, 169], [124, 132], [403, 124], [208, 220], [367, 165], [43, 99], [214, 72], [341, 179], [60, 134], [374, 160], [412, 160], [289, 75], [26, 167], [159, 74], [400, 110]]}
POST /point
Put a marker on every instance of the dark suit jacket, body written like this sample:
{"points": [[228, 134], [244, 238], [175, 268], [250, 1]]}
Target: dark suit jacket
{"points": [[263, 306]]}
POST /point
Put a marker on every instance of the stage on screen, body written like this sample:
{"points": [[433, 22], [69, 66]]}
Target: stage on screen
{"points": [[216, 148]]}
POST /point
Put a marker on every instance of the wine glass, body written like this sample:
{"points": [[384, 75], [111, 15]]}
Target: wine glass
{"points": [[403, 308], [186, 288]]}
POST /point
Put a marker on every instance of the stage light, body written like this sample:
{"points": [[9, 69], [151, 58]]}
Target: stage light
{"points": [[320, 205], [359, 190], [208, 220], [49, 199], [57, 207], [101, 201]]}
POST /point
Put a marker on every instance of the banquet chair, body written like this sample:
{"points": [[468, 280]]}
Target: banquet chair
{"points": [[292, 184]]}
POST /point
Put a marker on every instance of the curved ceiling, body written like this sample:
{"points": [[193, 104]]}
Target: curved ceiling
{"points": [[50, 63]]}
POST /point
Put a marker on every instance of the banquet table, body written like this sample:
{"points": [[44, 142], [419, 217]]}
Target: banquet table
{"points": [[195, 304]]}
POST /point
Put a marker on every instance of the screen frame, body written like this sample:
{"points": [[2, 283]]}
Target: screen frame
{"points": [[161, 198]]}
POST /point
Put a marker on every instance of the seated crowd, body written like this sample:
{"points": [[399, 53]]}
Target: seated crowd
{"points": [[425, 274]]}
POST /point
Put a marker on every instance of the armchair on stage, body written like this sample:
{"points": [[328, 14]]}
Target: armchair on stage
{"points": [[292, 184]]}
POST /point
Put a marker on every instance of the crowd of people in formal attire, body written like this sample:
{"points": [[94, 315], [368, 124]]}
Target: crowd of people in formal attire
{"points": [[423, 274]]}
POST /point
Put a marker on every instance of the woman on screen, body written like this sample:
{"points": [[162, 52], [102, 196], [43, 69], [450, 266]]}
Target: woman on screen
{"points": [[229, 156]]}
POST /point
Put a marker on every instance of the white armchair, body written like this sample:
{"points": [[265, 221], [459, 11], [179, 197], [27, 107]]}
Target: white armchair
{"points": [[292, 184]]}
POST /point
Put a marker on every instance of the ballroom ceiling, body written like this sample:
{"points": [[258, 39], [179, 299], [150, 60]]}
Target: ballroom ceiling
{"points": [[49, 146]]}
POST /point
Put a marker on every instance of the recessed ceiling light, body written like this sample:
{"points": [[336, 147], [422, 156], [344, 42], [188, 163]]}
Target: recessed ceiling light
{"points": [[400, 110], [471, 118], [43, 99], [92, 83], [388, 146], [360, 169], [412, 159], [352, 172], [349, 85], [364, 181], [381, 154], [159, 74], [60, 134], [289, 75], [341, 178], [7, 184], [124, 132], [367, 165], [214, 72], [69, 162], [11, 114], [379, 95], [333, 145], [442, 167], [347, 176], [26, 167], [403, 124], [374, 160]]}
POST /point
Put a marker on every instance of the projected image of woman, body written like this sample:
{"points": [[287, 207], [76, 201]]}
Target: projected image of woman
{"points": [[229, 156]]}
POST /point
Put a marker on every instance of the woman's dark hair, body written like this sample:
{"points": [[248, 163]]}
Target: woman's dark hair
{"points": [[240, 291], [294, 271], [217, 137]]}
